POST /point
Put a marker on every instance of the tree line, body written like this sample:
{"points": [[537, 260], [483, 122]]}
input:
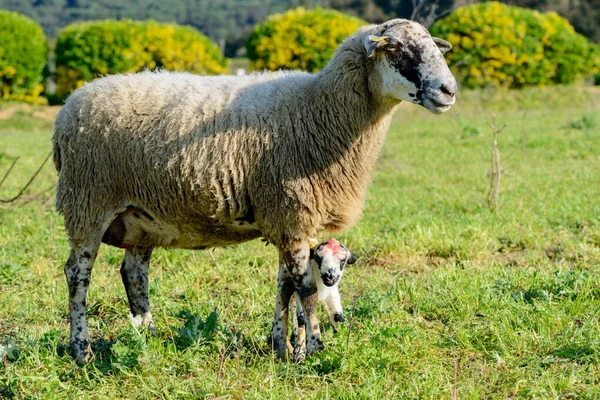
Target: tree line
{"points": [[230, 23]]}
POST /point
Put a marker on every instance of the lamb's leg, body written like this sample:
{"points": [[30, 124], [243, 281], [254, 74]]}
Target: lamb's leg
{"points": [[294, 314], [333, 307], [298, 264], [279, 332], [134, 272], [78, 271], [300, 319]]}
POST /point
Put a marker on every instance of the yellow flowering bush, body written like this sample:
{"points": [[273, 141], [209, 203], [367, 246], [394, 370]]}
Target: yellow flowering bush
{"points": [[87, 50], [499, 45], [299, 39], [23, 52]]}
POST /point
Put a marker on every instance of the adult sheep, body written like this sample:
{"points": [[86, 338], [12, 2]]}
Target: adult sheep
{"points": [[182, 161]]}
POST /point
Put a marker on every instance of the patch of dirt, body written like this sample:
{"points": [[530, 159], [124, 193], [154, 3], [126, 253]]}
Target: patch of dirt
{"points": [[47, 113]]}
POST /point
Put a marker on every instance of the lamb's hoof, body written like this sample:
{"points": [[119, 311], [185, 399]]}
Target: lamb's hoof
{"points": [[81, 352], [339, 317], [299, 352]]}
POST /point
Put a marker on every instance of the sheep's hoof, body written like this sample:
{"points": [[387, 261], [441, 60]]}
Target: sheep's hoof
{"points": [[314, 344], [81, 352], [151, 329], [281, 347]]}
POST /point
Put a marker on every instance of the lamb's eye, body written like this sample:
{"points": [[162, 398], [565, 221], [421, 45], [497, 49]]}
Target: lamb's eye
{"points": [[318, 259]]}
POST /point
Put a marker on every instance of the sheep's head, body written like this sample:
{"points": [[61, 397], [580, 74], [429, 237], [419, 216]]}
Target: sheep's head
{"points": [[331, 257], [409, 65]]}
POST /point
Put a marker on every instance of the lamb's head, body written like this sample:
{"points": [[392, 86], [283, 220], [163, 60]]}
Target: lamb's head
{"points": [[330, 258], [409, 65]]}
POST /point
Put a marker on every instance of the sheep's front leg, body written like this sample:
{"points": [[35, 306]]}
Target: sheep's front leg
{"points": [[78, 271], [298, 264], [279, 332], [134, 272]]}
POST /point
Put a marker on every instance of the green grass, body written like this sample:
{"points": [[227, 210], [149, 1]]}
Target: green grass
{"points": [[509, 301]]}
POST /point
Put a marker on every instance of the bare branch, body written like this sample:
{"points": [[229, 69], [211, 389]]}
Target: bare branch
{"points": [[28, 183], [9, 169], [496, 167]]}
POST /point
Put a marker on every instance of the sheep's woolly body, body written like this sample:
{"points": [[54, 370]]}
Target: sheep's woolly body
{"points": [[289, 153], [175, 160]]}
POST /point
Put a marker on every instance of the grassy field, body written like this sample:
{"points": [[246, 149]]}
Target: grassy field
{"points": [[448, 299]]}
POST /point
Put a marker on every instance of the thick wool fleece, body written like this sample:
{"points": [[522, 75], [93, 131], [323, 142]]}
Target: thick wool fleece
{"points": [[291, 151]]}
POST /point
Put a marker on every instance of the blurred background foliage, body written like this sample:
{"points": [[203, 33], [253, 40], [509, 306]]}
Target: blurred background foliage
{"points": [[503, 46], [23, 51], [230, 23], [299, 39], [87, 50], [495, 45]]}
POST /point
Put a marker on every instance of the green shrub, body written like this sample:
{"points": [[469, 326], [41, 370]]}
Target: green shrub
{"points": [[299, 39], [23, 52], [498, 45], [87, 50]]}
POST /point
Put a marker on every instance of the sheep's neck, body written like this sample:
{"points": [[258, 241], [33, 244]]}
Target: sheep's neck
{"points": [[349, 118], [349, 128]]}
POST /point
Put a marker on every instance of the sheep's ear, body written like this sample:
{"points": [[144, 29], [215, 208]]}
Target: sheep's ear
{"points": [[312, 253], [442, 44], [351, 259], [373, 42]]}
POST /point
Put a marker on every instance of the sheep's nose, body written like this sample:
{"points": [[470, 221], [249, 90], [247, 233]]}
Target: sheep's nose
{"points": [[448, 89]]}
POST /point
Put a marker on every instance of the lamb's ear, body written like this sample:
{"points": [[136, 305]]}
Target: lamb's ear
{"points": [[351, 259], [442, 44], [373, 42], [312, 253]]}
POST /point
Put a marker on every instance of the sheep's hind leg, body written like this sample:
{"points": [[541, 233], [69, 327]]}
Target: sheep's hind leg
{"points": [[134, 272], [78, 271], [298, 264], [279, 332]]}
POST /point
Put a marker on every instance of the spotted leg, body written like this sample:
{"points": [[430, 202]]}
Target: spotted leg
{"points": [[299, 331], [279, 332], [134, 272], [297, 260], [78, 271]]}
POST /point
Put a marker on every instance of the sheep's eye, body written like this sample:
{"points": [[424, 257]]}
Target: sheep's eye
{"points": [[342, 265], [318, 259]]}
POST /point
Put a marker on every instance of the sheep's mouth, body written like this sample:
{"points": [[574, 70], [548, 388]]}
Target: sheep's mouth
{"points": [[437, 105], [329, 280]]}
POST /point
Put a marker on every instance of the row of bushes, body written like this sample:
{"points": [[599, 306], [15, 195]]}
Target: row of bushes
{"points": [[87, 50], [494, 45], [498, 45]]}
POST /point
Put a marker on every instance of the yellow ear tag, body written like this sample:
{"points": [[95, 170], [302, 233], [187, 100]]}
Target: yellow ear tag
{"points": [[312, 242], [378, 38]]}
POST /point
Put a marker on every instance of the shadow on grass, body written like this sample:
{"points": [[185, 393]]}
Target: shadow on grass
{"points": [[578, 352]]}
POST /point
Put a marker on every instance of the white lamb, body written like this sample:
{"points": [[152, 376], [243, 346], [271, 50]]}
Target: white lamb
{"points": [[328, 262]]}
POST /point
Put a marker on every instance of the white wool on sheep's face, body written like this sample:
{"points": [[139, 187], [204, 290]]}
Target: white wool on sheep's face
{"points": [[411, 66]]}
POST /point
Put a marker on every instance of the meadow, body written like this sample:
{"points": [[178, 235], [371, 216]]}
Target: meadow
{"points": [[449, 299]]}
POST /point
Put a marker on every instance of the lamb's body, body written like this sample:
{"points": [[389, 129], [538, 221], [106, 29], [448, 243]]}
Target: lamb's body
{"points": [[213, 161], [175, 160]]}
